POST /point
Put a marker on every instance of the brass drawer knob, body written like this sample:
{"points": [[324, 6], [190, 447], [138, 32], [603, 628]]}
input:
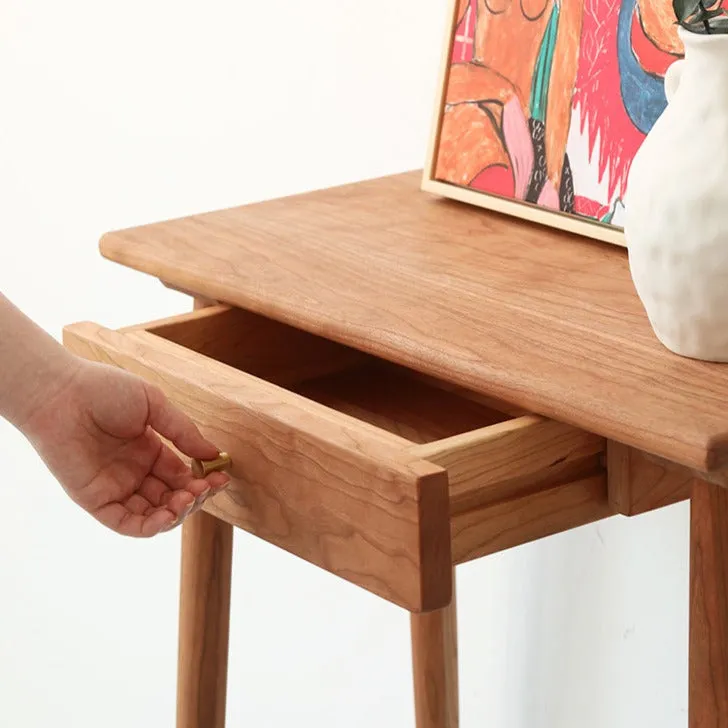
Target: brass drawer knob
{"points": [[201, 468]]}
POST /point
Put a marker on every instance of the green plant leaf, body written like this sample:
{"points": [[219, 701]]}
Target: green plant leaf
{"points": [[701, 16], [685, 9], [719, 25]]}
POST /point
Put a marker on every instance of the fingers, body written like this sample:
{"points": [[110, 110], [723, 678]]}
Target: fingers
{"points": [[198, 490], [217, 481], [170, 473], [207, 488], [162, 499], [171, 470], [139, 519], [175, 474], [138, 505], [154, 492], [123, 521], [181, 503], [155, 507], [173, 424], [160, 520]]}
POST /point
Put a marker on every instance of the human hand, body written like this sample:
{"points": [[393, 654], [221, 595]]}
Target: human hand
{"points": [[98, 433]]}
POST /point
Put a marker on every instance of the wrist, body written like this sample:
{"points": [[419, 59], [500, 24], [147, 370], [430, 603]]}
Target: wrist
{"points": [[36, 389], [34, 366]]}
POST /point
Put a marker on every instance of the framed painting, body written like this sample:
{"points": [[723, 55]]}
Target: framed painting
{"points": [[542, 105]]}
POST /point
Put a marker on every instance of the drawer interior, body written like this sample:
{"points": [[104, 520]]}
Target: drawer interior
{"points": [[395, 399], [317, 470]]}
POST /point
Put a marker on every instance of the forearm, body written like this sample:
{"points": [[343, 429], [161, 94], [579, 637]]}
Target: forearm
{"points": [[33, 365]]}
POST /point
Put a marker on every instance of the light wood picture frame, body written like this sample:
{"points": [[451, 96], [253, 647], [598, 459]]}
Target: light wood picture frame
{"points": [[542, 104]]}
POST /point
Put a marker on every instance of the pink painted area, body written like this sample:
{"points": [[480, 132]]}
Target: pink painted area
{"points": [[597, 94], [650, 57], [590, 208], [498, 180], [464, 42], [519, 145], [549, 197]]}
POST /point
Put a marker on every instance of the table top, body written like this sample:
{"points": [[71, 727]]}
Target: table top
{"points": [[543, 319]]}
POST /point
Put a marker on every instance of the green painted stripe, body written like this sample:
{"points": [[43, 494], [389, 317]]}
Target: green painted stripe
{"points": [[544, 63]]}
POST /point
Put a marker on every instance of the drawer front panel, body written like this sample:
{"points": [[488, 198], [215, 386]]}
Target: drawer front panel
{"points": [[340, 493]]}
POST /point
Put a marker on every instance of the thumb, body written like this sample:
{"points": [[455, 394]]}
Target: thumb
{"points": [[176, 426]]}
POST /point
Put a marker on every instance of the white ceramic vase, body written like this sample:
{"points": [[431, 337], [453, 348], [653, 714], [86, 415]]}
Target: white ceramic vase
{"points": [[676, 223]]}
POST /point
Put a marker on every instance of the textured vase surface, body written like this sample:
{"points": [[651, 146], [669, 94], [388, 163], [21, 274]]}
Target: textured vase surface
{"points": [[676, 223]]}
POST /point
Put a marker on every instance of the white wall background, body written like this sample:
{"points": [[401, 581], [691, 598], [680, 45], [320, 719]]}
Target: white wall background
{"points": [[114, 114]]}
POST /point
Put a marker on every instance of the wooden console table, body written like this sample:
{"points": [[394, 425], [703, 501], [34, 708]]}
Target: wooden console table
{"points": [[405, 384]]}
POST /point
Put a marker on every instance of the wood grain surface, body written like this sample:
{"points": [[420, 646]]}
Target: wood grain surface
{"points": [[545, 320], [255, 344], [639, 482], [502, 525], [204, 621], [509, 458], [708, 694], [435, 666], [335, 491], [393, 400]]}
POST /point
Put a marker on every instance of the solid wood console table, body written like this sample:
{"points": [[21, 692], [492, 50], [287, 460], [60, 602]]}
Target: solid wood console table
{"points": [[405, 384]]}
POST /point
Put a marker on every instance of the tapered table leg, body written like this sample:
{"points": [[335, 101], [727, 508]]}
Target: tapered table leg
{"points": [[435, 667], [207, 545], [708, 697]]}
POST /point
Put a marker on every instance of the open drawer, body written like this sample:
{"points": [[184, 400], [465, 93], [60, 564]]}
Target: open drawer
{"points": [[369, 470]]}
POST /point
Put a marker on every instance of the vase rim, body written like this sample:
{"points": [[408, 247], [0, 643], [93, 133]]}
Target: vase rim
{"points": [[694, 39]]}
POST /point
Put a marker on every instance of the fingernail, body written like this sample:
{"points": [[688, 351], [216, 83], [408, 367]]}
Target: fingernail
{"points": [[200, 500], [187, 510]]}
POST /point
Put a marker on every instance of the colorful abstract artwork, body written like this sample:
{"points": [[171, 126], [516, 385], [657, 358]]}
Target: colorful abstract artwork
{"points": [[545, 103]]}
